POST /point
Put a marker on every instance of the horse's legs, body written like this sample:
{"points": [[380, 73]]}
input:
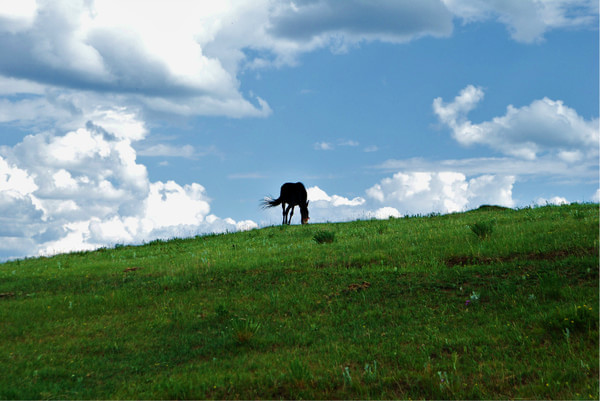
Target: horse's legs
{"points": [[284, 213], [291, 214], [288, 219]]}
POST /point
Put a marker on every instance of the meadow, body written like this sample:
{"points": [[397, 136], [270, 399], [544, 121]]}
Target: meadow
{"points": [[489, 304]]}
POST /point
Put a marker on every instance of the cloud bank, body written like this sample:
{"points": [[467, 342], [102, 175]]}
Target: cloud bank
{"points": [[186, 57], [412, 193], [84, 190], [444, 192]]}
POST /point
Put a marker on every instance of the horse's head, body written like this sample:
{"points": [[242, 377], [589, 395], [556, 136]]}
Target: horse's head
{"points": [[304, 213]]}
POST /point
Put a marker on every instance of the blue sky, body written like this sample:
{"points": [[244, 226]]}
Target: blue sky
{"points": [[123, 124]]}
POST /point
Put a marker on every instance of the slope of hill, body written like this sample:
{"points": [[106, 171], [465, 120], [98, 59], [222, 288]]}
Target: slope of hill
{"points": [[490, 303]]}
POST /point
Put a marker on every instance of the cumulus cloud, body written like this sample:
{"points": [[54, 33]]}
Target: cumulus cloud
{"points": [[316, 194], [324, 208], [543, 126], [444, 192], [84, 189]]}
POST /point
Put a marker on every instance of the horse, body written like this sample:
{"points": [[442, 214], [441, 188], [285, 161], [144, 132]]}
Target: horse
{"points": [[292, 194]]}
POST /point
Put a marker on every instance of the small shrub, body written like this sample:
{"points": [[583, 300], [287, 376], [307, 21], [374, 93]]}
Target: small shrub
{"points": [[483, 229], [324, 237]]}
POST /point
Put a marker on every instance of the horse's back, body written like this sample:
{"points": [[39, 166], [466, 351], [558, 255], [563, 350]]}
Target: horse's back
{"points": [[294, 191]]}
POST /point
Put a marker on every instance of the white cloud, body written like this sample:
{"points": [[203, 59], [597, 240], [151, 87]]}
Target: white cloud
{"points": [[555, 200], [490, 189], [84, 189], [543, 126], [316, 194], [528, 20], [384, 213], [24, 9], [596, 196], [12, 86], [323, 146], [444, 192], [340, 143], [324, 208]]}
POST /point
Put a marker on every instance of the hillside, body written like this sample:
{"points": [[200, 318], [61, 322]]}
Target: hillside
{"points": [[492, 303]]}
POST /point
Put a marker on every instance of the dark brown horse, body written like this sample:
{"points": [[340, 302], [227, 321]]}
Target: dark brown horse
{"points": [[291, 195]]}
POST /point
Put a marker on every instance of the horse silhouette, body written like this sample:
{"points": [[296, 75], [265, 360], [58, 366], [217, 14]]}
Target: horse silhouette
{"points": [[292, 195]]}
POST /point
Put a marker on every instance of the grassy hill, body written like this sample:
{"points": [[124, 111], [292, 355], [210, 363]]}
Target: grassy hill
{"points": [[492, 303]]}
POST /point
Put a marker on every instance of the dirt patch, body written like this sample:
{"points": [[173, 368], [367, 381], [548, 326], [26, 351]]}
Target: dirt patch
{"points": [[358, 287], [132, 269], [463, 260]]}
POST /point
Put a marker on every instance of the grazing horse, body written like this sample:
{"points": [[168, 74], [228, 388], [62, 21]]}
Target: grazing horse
{"points": [[293, 195]]}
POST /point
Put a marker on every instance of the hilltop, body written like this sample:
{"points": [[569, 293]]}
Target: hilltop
{"points": [[491, 303]]}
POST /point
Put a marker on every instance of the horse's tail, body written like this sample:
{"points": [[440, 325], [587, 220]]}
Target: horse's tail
{"points": [[270, 202]]}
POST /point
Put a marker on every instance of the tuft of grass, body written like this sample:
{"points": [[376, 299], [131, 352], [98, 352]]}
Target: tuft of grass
{"points": [[324, 237], [483, 229], [244, 330]]}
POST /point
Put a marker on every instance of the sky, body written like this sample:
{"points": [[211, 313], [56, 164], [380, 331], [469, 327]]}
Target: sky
{"points": [[122, 122]]}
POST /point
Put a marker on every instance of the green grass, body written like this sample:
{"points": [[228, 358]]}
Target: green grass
{"points": [[418, 307]]}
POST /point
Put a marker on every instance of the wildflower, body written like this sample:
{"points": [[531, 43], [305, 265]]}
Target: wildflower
{"points": [[468, 302]]}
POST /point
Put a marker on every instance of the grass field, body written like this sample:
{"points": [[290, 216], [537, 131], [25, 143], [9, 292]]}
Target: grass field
{"points": [[488, 304]]}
